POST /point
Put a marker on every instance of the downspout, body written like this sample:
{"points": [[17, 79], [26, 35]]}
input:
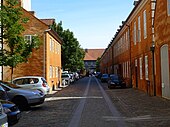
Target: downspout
{"points": [[44, 56], [1, 40], [152, 48]]}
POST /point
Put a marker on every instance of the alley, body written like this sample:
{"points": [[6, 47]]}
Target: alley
{"points": [[89, 103]]}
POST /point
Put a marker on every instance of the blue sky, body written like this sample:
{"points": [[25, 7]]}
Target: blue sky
{"points": [[93, 22]]}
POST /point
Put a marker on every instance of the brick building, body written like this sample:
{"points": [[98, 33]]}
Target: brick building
{"points": [[44, 61], [90, 58], [139, 50]]}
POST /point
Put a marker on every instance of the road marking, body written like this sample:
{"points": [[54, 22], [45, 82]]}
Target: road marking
{"points": [[115, 113], [69, 98], [77, 115]]}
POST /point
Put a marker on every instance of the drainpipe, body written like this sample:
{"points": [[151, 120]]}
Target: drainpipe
{"points": [[44, 55], [152, 48], [1, 40], [130, 55]]}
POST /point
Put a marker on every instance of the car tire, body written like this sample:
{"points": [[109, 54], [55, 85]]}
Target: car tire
{"points": [[21, 102]]}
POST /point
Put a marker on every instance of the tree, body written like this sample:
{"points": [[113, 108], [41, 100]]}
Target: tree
{"points": [[72, 54], [16, 50]]}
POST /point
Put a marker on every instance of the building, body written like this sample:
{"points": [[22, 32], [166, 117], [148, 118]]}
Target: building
{"points": [[90, 58], [44, 61], [131, 51]]}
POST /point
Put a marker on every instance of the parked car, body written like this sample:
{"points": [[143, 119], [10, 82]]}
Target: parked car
{"points": [[12, 111], [32, 82], [3, 117], [21, 97], [66, 79], [104, 77], [116, 81]]}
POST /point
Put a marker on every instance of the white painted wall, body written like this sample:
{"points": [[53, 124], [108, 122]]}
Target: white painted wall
{"points": [[26, 4]]}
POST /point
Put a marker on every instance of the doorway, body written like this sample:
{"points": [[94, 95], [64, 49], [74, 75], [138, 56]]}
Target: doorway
{"points": [[165, 71]]}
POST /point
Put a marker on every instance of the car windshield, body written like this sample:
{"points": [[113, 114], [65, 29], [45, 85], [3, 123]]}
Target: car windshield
{"points": [[9, 84], [115, 77]]}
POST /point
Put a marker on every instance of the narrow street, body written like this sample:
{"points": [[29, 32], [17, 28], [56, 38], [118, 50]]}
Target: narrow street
{"points": [[89, 103]]}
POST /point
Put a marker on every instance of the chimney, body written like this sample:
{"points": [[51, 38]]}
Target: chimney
{"points": [[86, 50], [135, 2]]}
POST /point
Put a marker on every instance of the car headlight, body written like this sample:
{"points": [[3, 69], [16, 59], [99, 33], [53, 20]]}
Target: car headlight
{"points": [[6, 110]]}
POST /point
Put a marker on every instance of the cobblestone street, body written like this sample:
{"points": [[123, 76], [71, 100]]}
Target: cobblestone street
{"points": [[88, 98]]}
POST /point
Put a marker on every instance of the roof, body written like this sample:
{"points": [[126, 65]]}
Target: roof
{"points": [[48, 21], [93, 54]]}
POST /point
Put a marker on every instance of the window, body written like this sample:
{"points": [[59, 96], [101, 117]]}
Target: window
{"points": [[53, 47], [51, 44], [136, 63], [134, 34], [146, 68], [140, 64], [144, 24], [51, 71], [28, 38], [56, 71], [168, 7], [139, 30]]}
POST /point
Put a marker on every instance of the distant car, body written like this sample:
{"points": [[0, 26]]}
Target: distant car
{"points": [[32, 82], [116, 81], [12, 111], [3, 117], [21, 97], [104, 77], [66, 79]]}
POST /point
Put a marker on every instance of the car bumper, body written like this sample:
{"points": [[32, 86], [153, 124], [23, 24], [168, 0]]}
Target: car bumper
{"points": [[36, 101], [14, 117]]}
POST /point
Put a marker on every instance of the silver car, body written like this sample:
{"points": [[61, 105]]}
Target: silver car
{"points": [[32, 82], [21, 97]]}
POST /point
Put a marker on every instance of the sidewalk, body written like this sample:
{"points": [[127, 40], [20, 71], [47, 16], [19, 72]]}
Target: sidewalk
{"points": [[137, 105]]}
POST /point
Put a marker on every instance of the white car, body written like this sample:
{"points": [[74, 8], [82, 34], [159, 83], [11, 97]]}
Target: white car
{"points": [[32, 82]]}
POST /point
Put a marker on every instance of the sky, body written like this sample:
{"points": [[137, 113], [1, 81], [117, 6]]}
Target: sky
{"points": [[93, 22]]}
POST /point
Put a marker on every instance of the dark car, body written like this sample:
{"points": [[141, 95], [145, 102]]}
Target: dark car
{"points": [[12, 111], [116, 81], [104, 77]]}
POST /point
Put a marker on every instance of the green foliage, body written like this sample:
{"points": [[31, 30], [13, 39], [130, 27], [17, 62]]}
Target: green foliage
{"points": [[15, 50], [72, 54]]}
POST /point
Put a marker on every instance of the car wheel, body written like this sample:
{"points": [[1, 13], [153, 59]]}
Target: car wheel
{"points": [[109, 86], [21, 102]]}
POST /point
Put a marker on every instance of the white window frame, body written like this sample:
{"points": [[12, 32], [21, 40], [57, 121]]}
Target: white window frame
{"points": [[134, 33], [51, 44], [146, 68], [51, 71], [140, 65], [139, 30], [28, 38], [144, 24]]}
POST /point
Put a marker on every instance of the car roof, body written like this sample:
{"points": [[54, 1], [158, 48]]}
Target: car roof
{"points": [[29, 77]]}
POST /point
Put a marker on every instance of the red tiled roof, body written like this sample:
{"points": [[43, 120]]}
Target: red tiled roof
{"points": [[48, 21], [93, 54]]}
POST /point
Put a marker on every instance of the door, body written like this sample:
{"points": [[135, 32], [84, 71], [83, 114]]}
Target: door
{"points": [[165, 71]]}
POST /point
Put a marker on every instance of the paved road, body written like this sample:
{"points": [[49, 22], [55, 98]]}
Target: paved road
{"points": [[89, 103]]}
